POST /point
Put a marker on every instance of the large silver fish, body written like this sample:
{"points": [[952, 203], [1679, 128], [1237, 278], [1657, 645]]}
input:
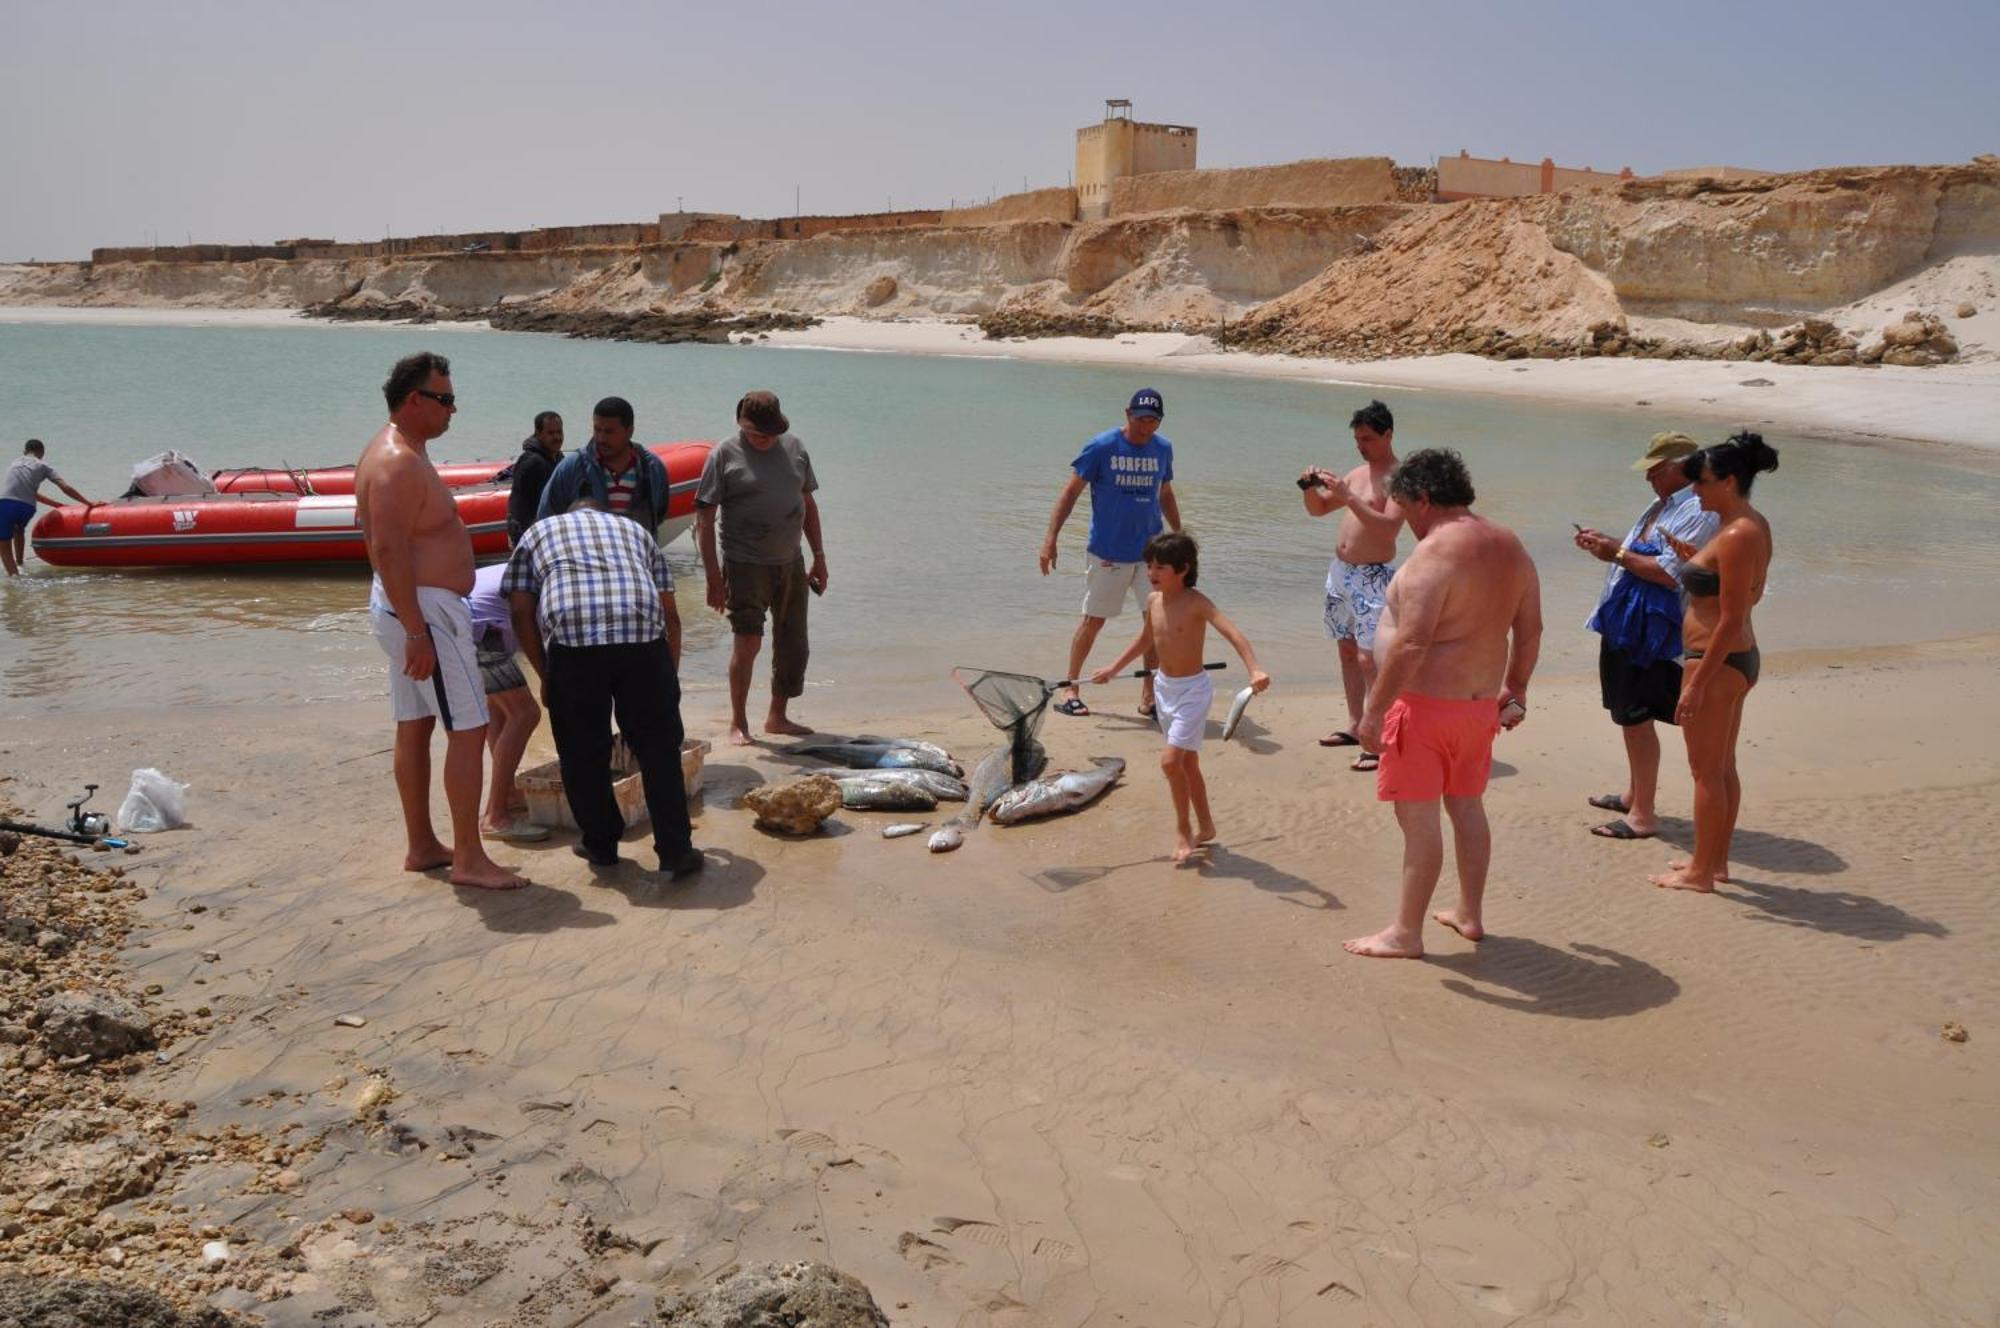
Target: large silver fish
{"points": [[897, 790], [1057, 793], [989, 780], [881, 756], [912, 744]]}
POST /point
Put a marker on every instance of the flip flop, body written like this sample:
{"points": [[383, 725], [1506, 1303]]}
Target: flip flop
{"points": [[1619, 830], [1367, 761], [520, 832], [1610, 802], [1072, 705], [1340, 738]]}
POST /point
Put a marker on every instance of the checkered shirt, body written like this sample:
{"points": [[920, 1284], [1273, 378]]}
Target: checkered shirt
{"points": [[596, 578]]}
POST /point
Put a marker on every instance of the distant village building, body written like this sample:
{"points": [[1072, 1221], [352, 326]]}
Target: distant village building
{"points": [[1120, 146], [1467, 176]]}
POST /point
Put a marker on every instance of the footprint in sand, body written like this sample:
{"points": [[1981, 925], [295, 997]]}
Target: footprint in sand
{"points": [[981, 1233]]}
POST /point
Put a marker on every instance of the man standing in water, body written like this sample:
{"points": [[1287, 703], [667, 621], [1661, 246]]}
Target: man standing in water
{"points": [[1130, 474], [422, 557], [760, 483], [1447, 679], [1357, 580], [19, 493]]}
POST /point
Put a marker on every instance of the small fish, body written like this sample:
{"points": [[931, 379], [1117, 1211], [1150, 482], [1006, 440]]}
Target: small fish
{"points": [[1236, 709], [947, 837], [901, 828], [1057, 793], [874, 795]]}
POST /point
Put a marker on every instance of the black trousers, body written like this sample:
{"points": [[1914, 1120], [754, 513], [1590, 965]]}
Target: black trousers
{"points": [[587, 685]]}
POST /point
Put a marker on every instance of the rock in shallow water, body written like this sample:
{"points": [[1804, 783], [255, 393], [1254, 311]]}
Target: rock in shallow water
{"points": [[795, 807]]}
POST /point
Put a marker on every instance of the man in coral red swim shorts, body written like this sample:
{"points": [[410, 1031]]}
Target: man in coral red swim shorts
{"points": [[1453, 655]]}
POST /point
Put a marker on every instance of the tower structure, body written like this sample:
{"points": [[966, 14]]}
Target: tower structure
{"points": [[1118, 146]]}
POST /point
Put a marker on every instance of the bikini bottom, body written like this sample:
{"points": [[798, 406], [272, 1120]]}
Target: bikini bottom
{"points": [[1746, 662]]}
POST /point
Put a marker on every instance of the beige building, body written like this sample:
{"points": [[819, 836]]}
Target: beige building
{"points": [[1121, 146], [1467, 176]]}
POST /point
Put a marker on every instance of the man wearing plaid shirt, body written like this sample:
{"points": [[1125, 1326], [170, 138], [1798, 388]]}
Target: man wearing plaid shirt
{"points": [[593, 605]]}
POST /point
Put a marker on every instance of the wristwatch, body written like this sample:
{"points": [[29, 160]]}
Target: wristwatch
{"points": [[1619, 557]]}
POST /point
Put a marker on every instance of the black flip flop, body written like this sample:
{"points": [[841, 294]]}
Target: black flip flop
{"points": [[1610, 802], [1072, 705], [1340, 738], [1619, 830], [1366, 762]]}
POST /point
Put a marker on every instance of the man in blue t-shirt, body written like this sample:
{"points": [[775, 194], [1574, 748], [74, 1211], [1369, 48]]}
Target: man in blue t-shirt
{"points": [[1129, 473]]}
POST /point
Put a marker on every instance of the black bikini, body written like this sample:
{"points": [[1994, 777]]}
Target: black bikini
{"points": [[1706, 583]]}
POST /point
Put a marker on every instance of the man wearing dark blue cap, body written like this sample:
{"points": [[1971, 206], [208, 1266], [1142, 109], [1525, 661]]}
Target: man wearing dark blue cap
{"points": [[1130, 473]]}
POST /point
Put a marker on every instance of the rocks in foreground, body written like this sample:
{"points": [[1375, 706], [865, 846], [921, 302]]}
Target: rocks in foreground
{"points": [[795, 807], [41, 1302], [776, 1295]]}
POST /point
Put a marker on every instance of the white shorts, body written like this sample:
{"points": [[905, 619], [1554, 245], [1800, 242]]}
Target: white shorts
{"points": [[1356, 594], [1107, 585], [454, 694], [1183, 705]]}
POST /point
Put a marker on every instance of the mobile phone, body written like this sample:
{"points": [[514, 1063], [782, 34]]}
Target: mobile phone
{"points": [[1308, 482]]}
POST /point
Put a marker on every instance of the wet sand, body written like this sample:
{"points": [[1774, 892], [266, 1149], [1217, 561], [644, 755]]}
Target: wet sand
{"points": [[1049, 1079]]}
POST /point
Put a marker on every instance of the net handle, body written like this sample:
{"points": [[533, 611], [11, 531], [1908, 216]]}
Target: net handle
{"points": [[1135, 673]]}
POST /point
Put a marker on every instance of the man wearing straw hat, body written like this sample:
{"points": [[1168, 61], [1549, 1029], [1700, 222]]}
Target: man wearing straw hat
{"points": [[1638, 616]]}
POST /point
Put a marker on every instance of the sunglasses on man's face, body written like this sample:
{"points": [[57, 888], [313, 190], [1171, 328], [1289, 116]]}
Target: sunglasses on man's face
{"points": [[449, 400]]}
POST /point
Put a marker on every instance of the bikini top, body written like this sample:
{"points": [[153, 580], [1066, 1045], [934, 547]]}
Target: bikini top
{"points": [[1701, 582]]}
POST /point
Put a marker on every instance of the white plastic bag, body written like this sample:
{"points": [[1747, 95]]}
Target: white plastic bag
{"points": [[155, 803]]}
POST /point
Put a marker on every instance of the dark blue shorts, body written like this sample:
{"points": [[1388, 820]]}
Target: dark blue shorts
{"points": [[14, 515]]}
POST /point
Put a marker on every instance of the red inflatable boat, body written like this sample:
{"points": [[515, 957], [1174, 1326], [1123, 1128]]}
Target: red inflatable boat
{"points": [[242, 525]]}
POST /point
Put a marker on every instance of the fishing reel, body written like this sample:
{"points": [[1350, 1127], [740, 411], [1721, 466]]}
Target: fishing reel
{"points": [[94, 825]]}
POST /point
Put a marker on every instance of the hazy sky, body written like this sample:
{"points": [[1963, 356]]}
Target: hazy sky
{"points": [[247, 123]]}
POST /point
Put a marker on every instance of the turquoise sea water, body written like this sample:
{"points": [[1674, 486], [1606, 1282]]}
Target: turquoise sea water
{"points": [[937, 477]]}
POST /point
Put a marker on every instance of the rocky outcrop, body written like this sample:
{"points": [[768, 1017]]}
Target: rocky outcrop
{"points": [[94, 1025], [63, 1302], [774, 1295]]}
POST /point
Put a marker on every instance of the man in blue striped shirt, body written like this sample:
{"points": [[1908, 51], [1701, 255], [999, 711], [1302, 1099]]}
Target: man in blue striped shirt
{"points": [[1638, 692], [593, 605]]}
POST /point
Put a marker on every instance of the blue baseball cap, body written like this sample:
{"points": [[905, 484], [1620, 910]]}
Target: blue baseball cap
{"points": [[1146, 401]]}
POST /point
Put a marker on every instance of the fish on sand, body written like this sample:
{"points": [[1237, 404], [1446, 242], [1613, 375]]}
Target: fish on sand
{"points": [[881, 756], [1056, 793], [990, 779]]}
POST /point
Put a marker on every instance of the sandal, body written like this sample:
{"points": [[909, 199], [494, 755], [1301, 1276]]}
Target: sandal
{"points": [[1367, 761], [1611, 802], [1619, 830], [1072, 705], [1340, 738]]}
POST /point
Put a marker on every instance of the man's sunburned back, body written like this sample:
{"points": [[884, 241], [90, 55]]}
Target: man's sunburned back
{"points": [[1180, 630], [1357, 544], [1480, 574], [395, 478]]}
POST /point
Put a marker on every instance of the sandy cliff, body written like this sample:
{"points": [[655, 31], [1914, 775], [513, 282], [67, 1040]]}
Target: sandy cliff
{"points": [[1651, 267]]}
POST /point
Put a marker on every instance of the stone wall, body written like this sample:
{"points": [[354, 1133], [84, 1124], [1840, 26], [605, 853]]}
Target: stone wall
{"points": [[1466, 176], [1320, 183], [1035, 205]]}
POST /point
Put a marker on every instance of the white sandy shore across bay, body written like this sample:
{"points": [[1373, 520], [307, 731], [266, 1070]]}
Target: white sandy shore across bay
{"points": [[1955, 404]]}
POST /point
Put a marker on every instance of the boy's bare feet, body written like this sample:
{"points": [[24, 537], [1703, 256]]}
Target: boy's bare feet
{"points": [[1685, 879], [1205, 832], [1392, 942], [1469, 928], [429, 858], [1186, 848]]}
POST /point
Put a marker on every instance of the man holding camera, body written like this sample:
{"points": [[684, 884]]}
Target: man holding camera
{"points": [[1357, 580]]}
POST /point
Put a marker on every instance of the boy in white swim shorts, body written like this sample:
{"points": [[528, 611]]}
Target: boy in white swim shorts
{"points": [[1176, 625]]}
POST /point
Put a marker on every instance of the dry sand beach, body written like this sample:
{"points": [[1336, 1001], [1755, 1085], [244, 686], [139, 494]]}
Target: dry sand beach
{"points": [[1050, 1080]]}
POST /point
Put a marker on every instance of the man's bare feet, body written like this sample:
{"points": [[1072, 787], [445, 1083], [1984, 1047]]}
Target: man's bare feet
{"points": [[1682, 864], [1392, 942], [791, 728], [486, 874], [1684, 879], [1469, 928], [427, 859], [739, 736]]}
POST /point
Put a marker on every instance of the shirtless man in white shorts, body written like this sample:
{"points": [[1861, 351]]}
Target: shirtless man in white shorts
{"points": [[1357, 581], [422, 557]]}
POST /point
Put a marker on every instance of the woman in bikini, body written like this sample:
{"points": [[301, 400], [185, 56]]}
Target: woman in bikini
{"points": [[1724, 580]]}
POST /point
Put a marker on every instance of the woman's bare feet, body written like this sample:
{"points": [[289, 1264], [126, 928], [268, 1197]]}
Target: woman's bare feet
{"points": [[1392, 942], [1685, 879], [1469, 928]]}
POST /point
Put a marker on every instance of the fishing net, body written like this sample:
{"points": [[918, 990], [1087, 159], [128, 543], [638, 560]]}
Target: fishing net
{"points": [[1014, 703]]}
